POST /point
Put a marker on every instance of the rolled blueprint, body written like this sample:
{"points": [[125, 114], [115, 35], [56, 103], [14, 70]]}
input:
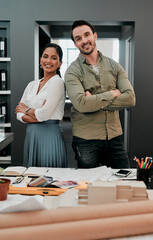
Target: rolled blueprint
{"points": [[8, 220], [92, 229]]}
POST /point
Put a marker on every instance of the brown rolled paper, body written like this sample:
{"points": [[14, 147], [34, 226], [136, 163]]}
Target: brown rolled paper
{"points": [[84, 230], [8, 220]]}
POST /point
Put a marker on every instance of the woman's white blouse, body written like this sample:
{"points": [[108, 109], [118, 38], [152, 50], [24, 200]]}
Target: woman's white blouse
{"points": [[54, 94]]}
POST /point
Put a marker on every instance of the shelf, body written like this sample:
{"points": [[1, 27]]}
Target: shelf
{"points": [[5, 92], [8, 138], [5, 59], [5, 65], [3, 125], [5, 160], [7, 124]]}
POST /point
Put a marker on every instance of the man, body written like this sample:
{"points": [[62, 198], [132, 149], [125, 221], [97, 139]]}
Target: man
{"points": [[98, 88]]}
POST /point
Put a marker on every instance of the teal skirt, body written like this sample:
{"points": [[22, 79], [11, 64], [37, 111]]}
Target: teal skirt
{"points": [[44, 145]]}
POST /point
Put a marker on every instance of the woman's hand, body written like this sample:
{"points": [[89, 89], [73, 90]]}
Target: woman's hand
{"points": [[21, 107]]}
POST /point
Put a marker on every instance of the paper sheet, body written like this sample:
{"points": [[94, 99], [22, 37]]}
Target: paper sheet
{"points": [[90, 175], [38, 171], [17, 203]]}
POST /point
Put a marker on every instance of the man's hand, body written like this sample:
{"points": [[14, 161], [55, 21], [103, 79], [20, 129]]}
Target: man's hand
{"points": [[115, 93], [87, 93]]}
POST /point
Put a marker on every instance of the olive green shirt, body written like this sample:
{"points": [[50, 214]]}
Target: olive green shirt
{"points": [[97, 116]]}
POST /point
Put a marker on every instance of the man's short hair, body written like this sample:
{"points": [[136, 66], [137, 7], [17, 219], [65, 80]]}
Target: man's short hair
{"points": [[80, 23]]}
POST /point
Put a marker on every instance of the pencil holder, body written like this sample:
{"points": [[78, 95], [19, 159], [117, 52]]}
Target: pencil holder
{"points": [[143, 175]]}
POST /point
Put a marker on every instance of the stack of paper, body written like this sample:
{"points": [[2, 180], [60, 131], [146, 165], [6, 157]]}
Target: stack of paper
{"points": [[17, 203]]}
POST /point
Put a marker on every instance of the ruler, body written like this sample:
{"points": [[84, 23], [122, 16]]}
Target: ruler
{"points": [[36, 191]]}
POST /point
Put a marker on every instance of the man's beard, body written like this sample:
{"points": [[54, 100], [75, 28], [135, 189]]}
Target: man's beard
{"points": [[88, 53]]}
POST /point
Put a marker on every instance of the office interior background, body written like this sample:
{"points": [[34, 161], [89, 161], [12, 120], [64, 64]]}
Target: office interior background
{"points": [[33, 23]]}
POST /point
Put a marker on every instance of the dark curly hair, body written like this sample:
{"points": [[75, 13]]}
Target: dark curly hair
{"points": [[80, 23]]}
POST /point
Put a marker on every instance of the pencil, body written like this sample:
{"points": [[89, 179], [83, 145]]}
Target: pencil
{"points": [[146, 159], [146, 166], [137, 160], [141, 163], [150, 165]]}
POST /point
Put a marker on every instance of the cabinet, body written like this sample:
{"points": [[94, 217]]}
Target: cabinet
{"points": [[5, 92]]}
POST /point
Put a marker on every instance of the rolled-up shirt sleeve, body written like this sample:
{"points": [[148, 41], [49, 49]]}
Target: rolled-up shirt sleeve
{"points": [[19, 115], [127, 97]]}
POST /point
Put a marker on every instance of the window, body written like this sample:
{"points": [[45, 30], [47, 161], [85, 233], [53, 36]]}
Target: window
{"points": [[108, 46]]}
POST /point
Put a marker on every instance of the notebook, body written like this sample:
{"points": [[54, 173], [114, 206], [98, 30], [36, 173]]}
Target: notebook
{"points": [[23, 171]]}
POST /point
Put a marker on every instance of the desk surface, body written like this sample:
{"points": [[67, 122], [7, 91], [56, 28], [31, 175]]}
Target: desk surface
{"points": [[70, 199]]}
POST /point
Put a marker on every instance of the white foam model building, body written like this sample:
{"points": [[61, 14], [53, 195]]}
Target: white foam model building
{"points": [[100, 192]]}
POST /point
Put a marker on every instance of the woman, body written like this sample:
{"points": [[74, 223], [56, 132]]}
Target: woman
{"points": [[42, 107]]}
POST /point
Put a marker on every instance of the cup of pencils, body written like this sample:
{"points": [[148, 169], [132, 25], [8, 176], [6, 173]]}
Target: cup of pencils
{"points": [[143, 169]]}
